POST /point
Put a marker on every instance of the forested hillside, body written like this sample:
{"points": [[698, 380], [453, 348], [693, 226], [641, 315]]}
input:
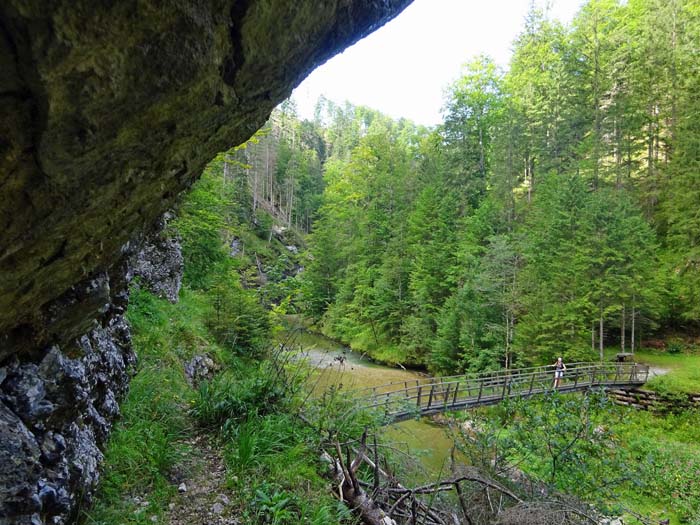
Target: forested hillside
{"points": [[554, 211]]}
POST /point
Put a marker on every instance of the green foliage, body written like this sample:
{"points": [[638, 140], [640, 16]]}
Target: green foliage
{"points": [[617, 457], [236, 317], [148, 441], [586, 255], [566, 443], [550, 213], [201, 224], [232, 397], [667, 458], [682, 371], [221, 314], [271, 455]]}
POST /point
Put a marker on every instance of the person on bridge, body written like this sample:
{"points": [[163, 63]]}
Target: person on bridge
{"points": [[559, 368]]}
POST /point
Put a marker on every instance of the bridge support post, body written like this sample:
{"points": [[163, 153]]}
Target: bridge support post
{"points": [[430, 396], [447, 396]]}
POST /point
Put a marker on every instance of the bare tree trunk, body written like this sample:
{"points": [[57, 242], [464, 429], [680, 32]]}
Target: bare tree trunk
{"points": [[352, 493], [600, 341], [507, 320], [482, 161], [226, 174], [634, 314], [268, 180], [622, 329]]}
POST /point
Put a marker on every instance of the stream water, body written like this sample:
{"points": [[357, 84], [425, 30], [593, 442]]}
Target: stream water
{"points": [[422, 439]]}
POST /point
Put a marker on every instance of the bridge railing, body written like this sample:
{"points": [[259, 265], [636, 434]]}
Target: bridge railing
{"points": [[407, 398], [495, 374]]}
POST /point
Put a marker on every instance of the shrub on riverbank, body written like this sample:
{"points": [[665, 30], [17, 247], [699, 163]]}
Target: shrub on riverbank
{"points": [[588, 447]]}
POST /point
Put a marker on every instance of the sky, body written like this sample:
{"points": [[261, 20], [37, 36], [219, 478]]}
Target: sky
{"points": [[403, 68]]}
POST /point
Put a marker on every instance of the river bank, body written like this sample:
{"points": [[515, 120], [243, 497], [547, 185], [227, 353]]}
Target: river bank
{"points": [[429, 442], [338, 366]]}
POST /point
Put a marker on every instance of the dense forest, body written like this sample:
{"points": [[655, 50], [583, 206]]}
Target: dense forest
{"points": [[553, 211]]}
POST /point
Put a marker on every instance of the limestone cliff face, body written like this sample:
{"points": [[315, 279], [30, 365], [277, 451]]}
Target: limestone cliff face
{"points": [[108, 110], [57, 407]]}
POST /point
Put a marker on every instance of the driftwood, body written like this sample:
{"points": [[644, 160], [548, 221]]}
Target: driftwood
{"points": [[385, 501], [351, 492]]}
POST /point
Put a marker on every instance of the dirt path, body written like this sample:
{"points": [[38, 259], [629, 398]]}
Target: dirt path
{"points": [[657, 371], [203, 498]]}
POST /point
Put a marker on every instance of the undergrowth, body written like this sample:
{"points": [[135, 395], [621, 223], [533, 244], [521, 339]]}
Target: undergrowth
{"points": [[148, 441], [271, 456], [620, 457]]}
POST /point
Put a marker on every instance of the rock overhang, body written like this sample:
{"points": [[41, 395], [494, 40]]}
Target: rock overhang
{"points": [[109, 110]]}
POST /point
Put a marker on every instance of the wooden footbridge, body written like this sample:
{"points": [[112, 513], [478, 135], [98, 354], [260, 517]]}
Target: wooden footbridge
{"points": [[422, 397]]}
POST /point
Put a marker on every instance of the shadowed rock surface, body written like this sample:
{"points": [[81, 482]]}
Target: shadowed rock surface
{"points": [[108, 110]]}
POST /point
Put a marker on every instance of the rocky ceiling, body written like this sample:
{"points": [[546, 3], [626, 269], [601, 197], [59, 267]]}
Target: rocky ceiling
{"points": [[109, 109]]}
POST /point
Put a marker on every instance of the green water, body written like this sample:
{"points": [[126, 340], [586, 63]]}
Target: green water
{"points": [[421, 439]]}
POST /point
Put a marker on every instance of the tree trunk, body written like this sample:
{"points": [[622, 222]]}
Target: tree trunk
{"points": [[353, 494], [622, 330], [633, 324], [600, 340]]}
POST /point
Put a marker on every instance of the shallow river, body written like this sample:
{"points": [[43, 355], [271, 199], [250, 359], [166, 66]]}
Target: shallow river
{"points": [[422, 439]]}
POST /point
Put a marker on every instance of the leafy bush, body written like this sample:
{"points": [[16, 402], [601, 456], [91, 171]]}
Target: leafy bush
{"points": [[236, 318], [226, 399], [674, 347]]}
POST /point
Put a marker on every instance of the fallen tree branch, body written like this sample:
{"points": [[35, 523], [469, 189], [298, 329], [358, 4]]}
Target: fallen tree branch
{"points": [[446, 485]]}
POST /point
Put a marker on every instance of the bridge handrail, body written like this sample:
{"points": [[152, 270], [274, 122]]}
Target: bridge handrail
{"points": [[480, 376], [406, 399], [490, 380]]}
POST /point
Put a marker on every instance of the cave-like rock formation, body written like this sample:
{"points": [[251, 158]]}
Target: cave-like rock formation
{"points": [[108, 110]]}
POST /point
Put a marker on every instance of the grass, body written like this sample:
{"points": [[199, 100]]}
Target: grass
{"points": [[684, 370], [683, 375], [655, 457], [147, 442], [271, 457], [667, 450]]}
